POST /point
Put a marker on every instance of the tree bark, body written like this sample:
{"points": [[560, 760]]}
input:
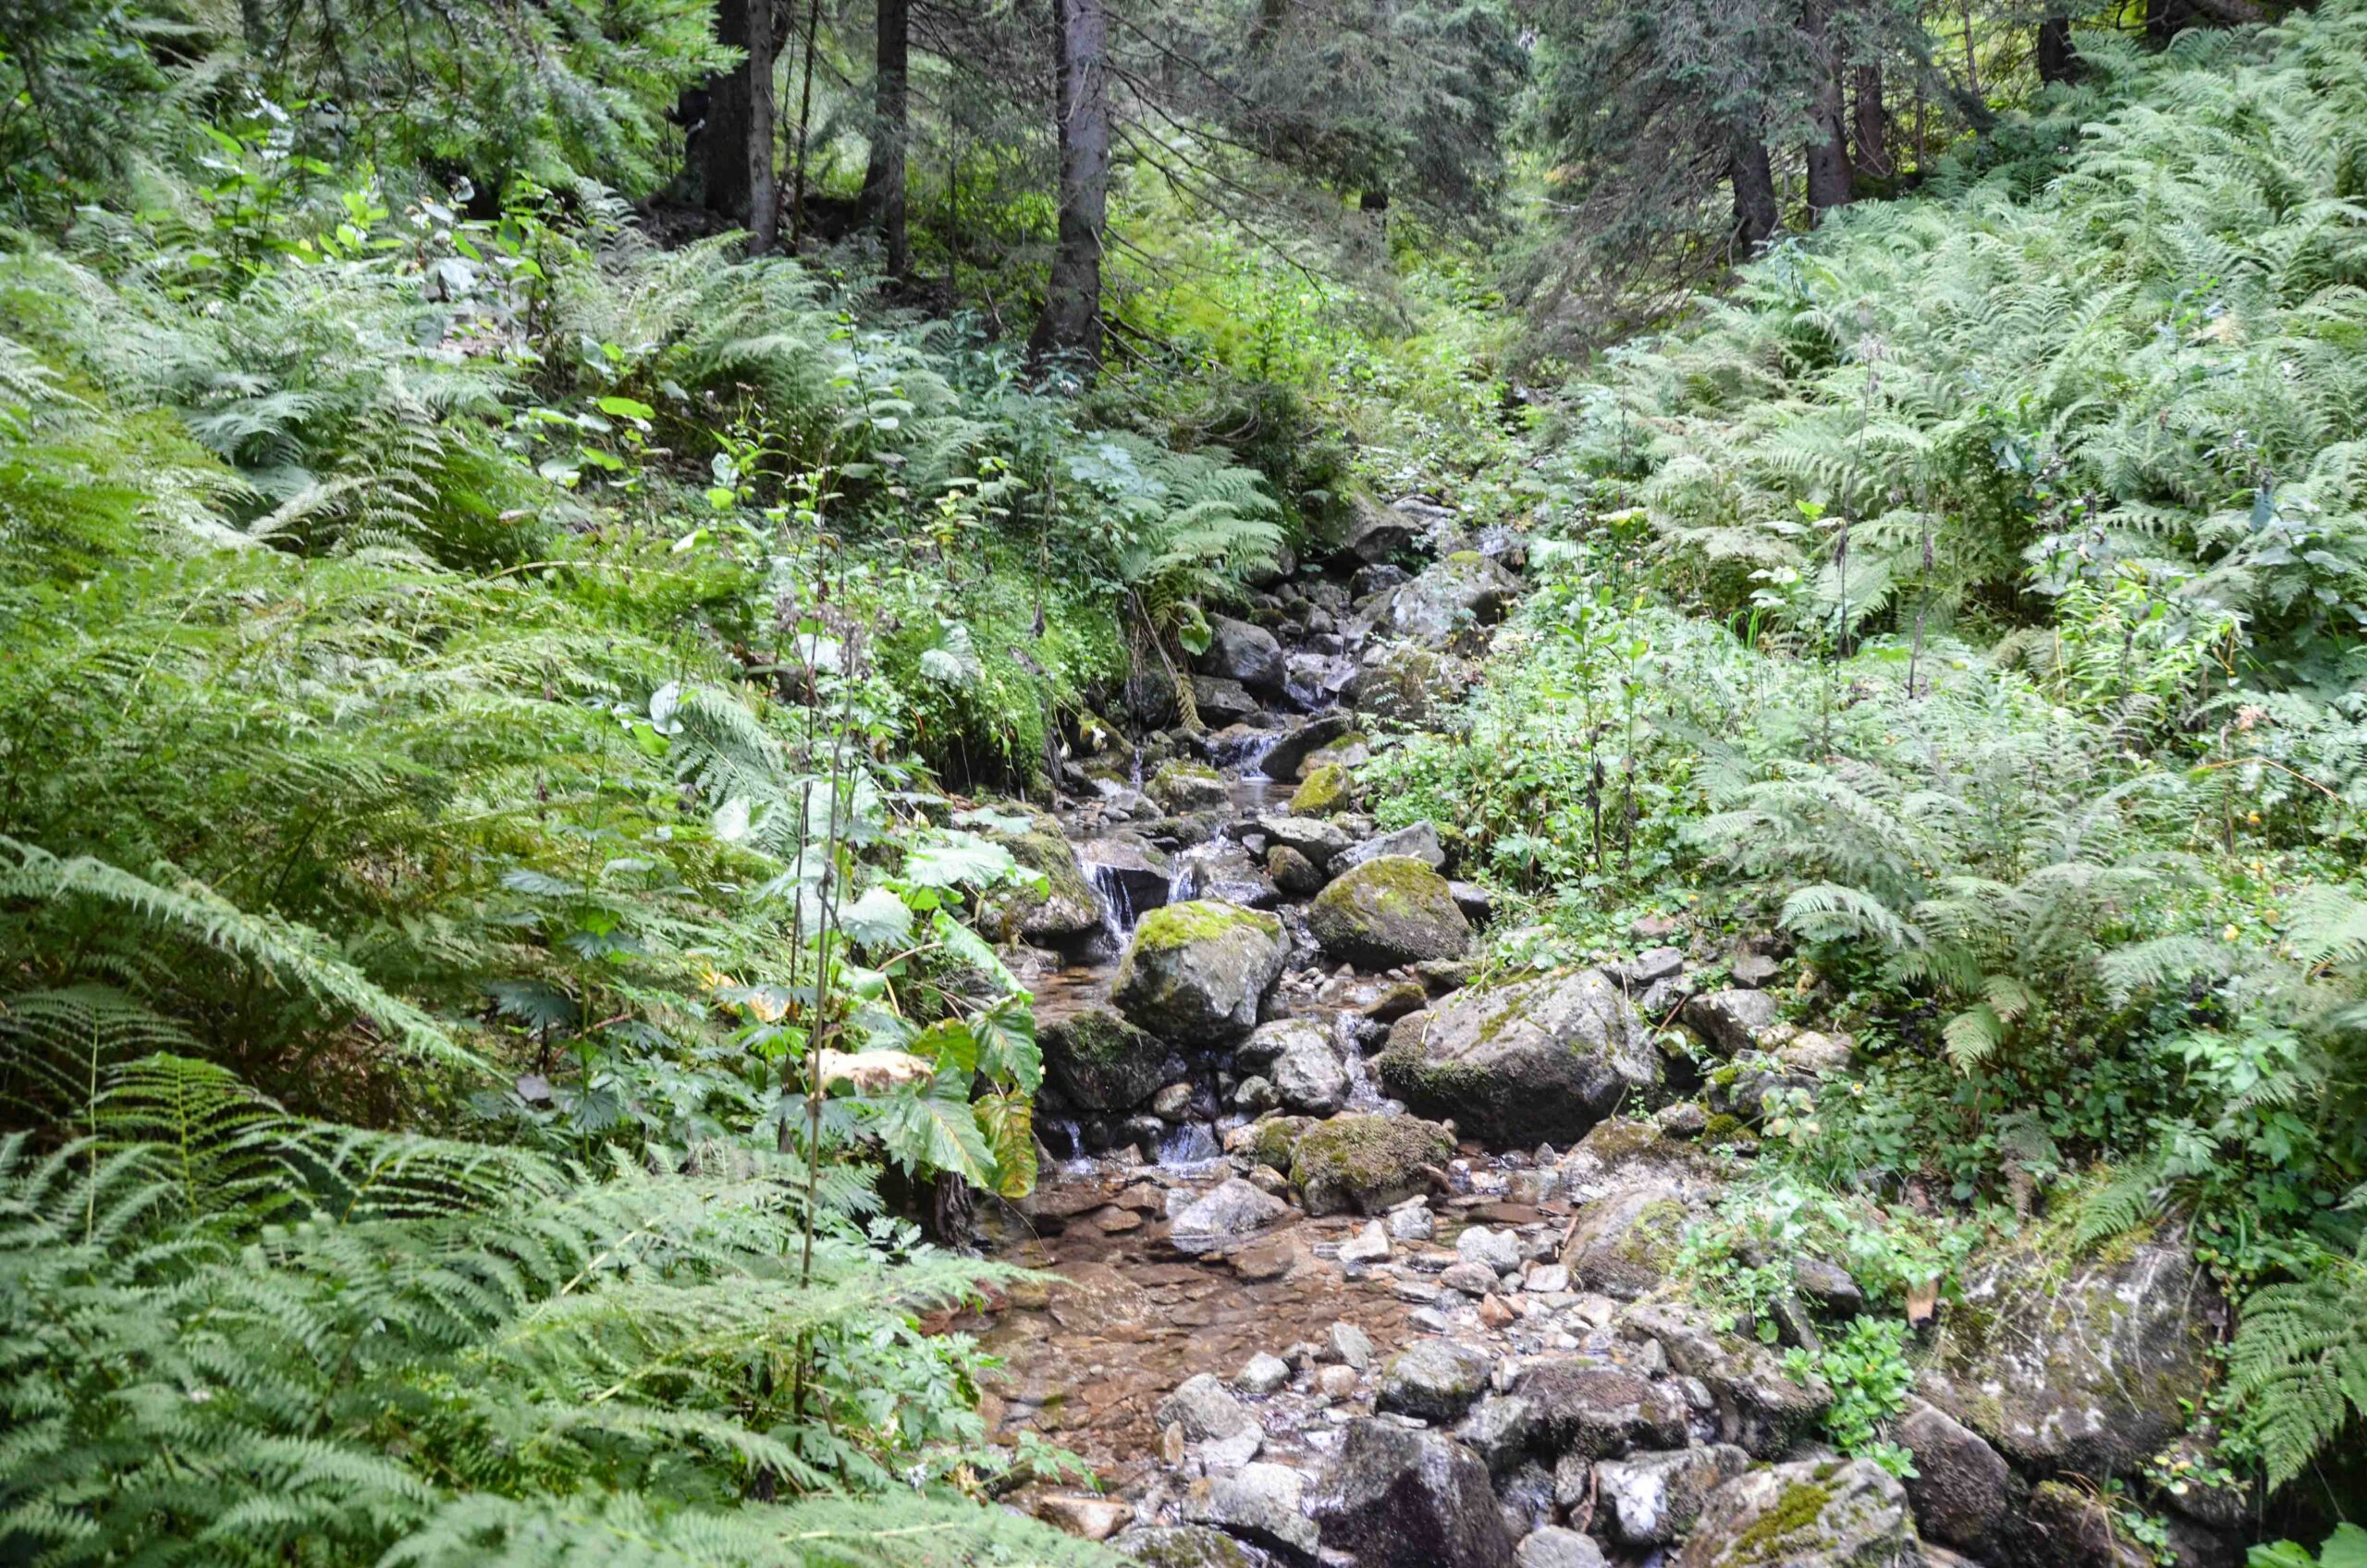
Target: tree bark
{"points": [[883, 176], [1869, 127], [2058, 60], [1828, 151], [1071, 319], [1753, 175], [739, 135]]}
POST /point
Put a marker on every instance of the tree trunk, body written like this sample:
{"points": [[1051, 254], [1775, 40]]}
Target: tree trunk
{"points": [[1754, 181], [1870, 126], [883, 178], [1071, 319], [739, 135], [2058, 59], [1828, 151]]}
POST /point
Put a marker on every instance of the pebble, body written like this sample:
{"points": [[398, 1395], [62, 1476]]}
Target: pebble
{"points": [[1412, 1221], [1339, 1382], [1496, 1313], [1547, 1278], [1367, 1245]]}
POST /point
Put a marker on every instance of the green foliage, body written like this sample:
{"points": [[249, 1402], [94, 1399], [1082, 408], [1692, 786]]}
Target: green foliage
{"points": [[1868, 1371], [2346, 1548]]}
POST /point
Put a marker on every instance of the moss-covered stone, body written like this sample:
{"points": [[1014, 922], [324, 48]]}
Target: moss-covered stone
{"points": [[1184, 787], [1364, 1164], [1066, 913], [1837, 1514], [1542, 1058], [1095, 1061], [1277, 1139], [1387, 912], [1197, 973], [1326, 789]]}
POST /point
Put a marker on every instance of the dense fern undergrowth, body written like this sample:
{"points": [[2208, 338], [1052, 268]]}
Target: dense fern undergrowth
{"points": [[1977, 597]]}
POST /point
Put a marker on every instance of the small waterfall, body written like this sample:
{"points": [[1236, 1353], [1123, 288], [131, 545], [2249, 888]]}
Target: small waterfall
{"points": [[1118, 911], [1189, 1144], [1362, 1093]]}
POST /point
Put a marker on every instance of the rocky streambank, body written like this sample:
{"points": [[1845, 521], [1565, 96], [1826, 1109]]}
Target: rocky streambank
{"points": [[1366, 1253]]}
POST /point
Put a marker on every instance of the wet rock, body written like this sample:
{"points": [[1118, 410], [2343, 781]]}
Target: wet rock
{"points": [[1380, 532], [1309, 1076], [1238, 651], [1066, 913], [1418, 841], [1730, 1020], [1185, 1546], [1411, 1221], [1197, 973], [1098, 1062], [1095, 1518], [1400, 1499], [1367, 1245], [1367, 1164], [1554, 1547], [1206, 1410], [1584, 1407], [1810, 1516], [1478, 904], [1435, 1379], [1260, 1504], [1325, 789], [2084, 1366], [1172, 1103], [1262, 1375], [1130, 872], [1232, 1210], [1754, 1402], [1497, 1251], [1962, 1492], [1285, 758], [1653, 1499], [1389, 912], [1451, 602], [1185, 787], [1227, 872], [1317, 838], [1501, 1429], [1296, 876], [1536, 1060], [1222, 702]]}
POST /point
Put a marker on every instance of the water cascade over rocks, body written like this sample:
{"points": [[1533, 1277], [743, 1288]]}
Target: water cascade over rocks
{"points": [[1358, 1261]]}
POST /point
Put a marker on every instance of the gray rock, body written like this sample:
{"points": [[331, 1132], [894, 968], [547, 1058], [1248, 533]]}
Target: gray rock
{"points": [[1404, 683], [1230, 1453], [1585, 1407], [1232, 1210], [1478, 904], [1828, 1285], [1451, 602], [2080, 1367], [1400, 1499], [1256, 1095], [1754, 1402], [1098, 1062], [1500, 1429], [1962, 1492], [1535, 1061], [1498, 1250], [1206, 1410], [1367, 1164], [1197, 972], [1366, 580], [1350, 1345], [1172, 1103], [1435, 1379], [1416, 841], [1222, 702], [1225, 871], [1389, 912], [1730, 1020], [1546, 1280], [1263, 1374], [1806, 1515], [1066, 913], [1554, 1547], [1317, 837], [1648, 968], [1653, 1499], [1412, 1222], [1753, 971], [1474, 1279], [1260, 1503], [1294, 873], [1185, 787], [2067, 1526], [1381, 531], [1238, 651], [1285, 757], [1367, 1245], [1309, 1075], [1185, 1545]]}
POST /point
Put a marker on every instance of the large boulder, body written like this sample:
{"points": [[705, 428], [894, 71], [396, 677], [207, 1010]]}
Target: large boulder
{"points": [[1065, 913], [1368, 1164], [1536, 1060], [1260, 1504], [1401, 1498], [1238, 651], [2086, 1366], [1296, 1056], [1127, 872], [1223, 702], [1579, 1406], [1652, 1499], [1183, 787], [1197, 973], [1387, 912], [1730, 1020], [1287, 756], [1098, 1062], [1380, 531], [1325, 789], [1206, 1410], [1826, 1514], [1433, 1381], [1622, 1243], [1231, 1212], [1962, 1491], [1404, 683], [1451, 600]]}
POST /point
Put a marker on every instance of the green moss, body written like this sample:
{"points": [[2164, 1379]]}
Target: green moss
{"points": [[1278, 1141], [1770, 1538], [1468, 559], [1324, 790], [1723, 1128], [1367, 1154], [1176, 926]]}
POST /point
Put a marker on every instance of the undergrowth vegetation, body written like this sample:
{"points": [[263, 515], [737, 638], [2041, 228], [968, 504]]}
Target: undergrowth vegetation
{"points": [[1976, 597]]}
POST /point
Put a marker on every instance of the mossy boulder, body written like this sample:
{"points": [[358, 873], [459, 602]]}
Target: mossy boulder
{"points": [[1185, 787], [1367, 1164], [1273, 1142], [1623, 1243], [1098, 1062], [1185, 1546], [1326, 789], [1197, 972], [1387, 912], [1066, 913], [1827, 1513], [1402, 683], [2086, 1366], [1515, 1065]]}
